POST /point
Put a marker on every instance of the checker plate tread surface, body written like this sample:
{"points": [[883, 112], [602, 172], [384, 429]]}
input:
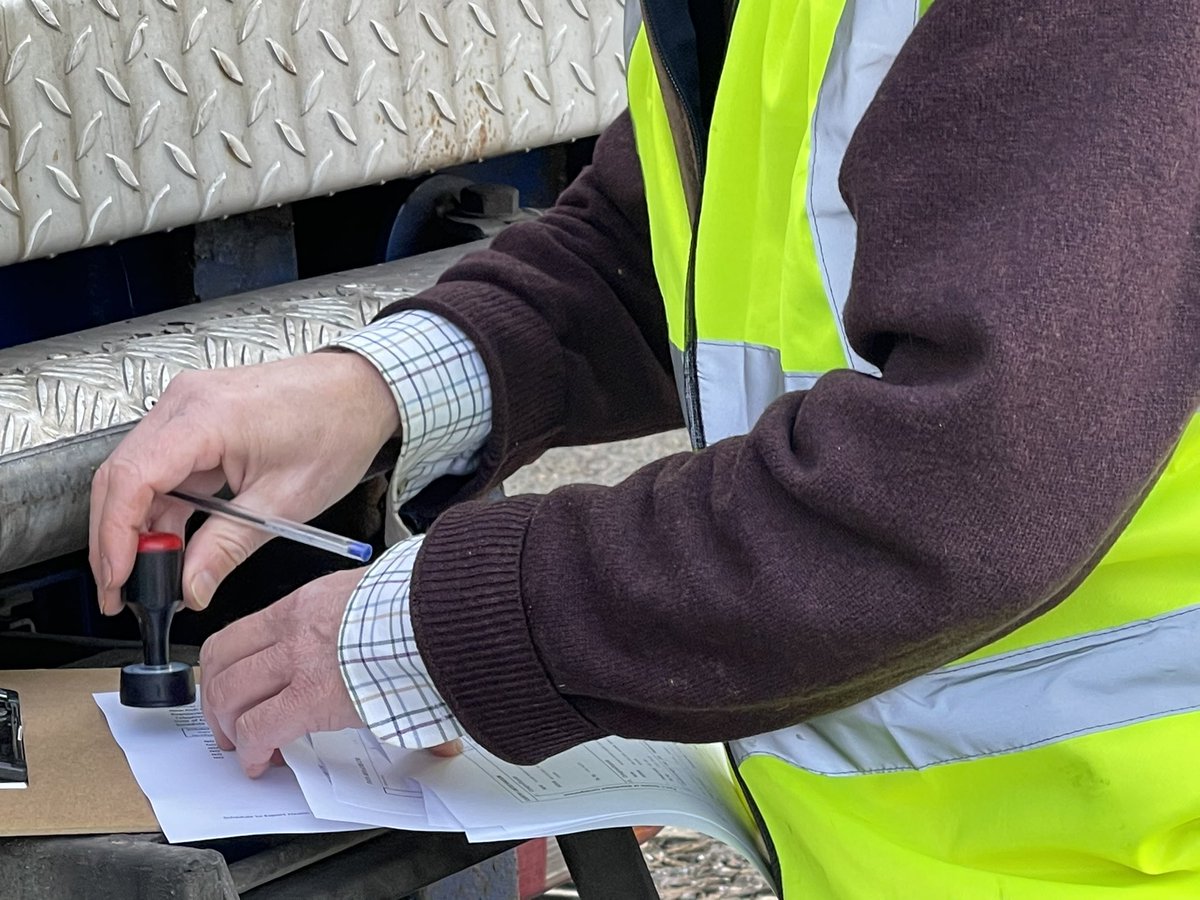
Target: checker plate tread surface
{"points": [[119, 118], [70, 387]]}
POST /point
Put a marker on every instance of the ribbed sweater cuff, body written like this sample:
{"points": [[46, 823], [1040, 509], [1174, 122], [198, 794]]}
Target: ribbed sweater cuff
{"points": [[469, 619], [526, 381]]}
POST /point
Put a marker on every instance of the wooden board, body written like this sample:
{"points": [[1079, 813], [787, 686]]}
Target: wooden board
{"points": [[79, 782]]}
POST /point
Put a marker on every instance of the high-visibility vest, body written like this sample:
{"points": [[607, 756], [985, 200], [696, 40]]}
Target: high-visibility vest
{"points": [[1060, 761]]}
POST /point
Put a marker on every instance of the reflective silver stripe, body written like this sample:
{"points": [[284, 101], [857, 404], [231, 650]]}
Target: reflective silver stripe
{"points": [[868, 37], [739, 381], [1028, 698], [633, 21]]}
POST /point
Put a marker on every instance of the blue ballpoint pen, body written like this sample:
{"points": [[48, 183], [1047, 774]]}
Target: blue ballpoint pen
{"points": [[284, 528]]}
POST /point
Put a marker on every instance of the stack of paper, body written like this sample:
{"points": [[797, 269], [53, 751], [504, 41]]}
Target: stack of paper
{"points": [[347, 779], [197, 790]]}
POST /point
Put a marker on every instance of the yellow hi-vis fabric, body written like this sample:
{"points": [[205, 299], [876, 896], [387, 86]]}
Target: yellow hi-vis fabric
{"points": [[1057, 762]]}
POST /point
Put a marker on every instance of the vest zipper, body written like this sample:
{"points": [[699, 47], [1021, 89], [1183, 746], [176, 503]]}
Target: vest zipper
{"points": [[691, 382], [773, 866], [691, 375]]}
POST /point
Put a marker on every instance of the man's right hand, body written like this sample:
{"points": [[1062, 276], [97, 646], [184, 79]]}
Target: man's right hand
{"points": [[290, 438]]}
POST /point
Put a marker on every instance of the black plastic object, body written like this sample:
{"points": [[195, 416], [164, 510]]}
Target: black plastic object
{"points": [[12, 739], [154, 591], [607, 863], [489, 201]]}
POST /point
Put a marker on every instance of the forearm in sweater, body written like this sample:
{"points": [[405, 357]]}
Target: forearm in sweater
{"points": [[567, 315], [1026, 186]]}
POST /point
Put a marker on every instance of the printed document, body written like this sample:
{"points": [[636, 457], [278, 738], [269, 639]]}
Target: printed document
{"points": [[197, 790], [347, 780], [607, 783], [363, 776], [601, 784]]}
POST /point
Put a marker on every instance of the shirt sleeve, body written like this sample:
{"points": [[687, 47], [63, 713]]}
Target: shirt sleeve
{"points": [[444, 397], [441, 388], [380, 663]]}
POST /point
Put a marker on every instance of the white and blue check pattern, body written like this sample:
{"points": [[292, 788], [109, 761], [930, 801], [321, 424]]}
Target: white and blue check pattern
{"points": [[442, 391]]}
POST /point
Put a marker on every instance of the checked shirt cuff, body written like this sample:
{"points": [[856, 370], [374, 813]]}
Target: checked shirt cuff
{"points": [[441, 388], [380, 663]]}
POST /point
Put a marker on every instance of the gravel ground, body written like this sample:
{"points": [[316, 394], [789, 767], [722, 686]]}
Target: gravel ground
{"points": [[603, 464], [685, 865], [691, 866]]}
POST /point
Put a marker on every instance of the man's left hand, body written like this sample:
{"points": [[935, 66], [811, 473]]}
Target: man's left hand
{"points": [[274, 676]]}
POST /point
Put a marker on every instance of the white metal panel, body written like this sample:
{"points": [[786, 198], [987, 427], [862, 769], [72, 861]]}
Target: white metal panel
{"points": [[69, 387], [66, 402], [120, 117]]}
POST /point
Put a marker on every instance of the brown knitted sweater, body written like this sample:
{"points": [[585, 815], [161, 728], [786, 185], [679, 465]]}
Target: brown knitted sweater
{"points": [[1026, 188]]}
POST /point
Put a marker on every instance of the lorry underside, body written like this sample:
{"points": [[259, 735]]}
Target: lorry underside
{"points": [[192, 184]]}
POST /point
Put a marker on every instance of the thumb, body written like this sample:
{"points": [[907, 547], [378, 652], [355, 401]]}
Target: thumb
{"points": [[449, 749], [217, 548]]}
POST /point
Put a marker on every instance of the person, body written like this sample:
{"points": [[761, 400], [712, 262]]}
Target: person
{"points": [[927, 281]]}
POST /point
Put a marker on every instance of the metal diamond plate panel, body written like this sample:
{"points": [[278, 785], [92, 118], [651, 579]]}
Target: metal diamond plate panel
{"points": [[66, 402], [73, 386], [120, 117]]}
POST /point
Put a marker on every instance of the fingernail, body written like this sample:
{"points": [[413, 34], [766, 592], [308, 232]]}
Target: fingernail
{"points": [[105, 585], [203, 588], [448, 749]]}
